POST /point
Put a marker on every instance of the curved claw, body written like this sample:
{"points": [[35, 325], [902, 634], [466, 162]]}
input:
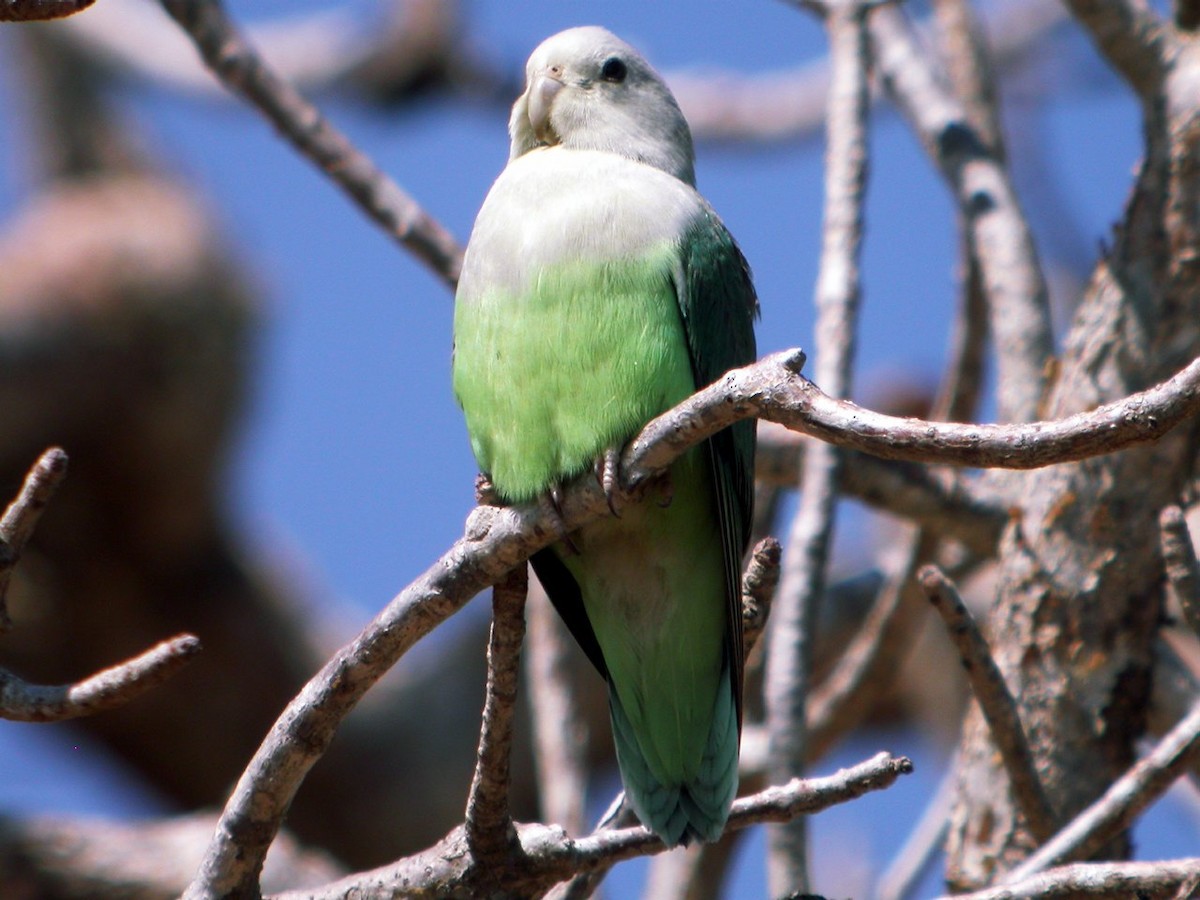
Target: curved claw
{"points": [[554, 498], [608, 474]]}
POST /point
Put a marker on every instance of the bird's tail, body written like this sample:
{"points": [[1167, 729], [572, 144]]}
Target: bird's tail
{"points": [[691, 808]]}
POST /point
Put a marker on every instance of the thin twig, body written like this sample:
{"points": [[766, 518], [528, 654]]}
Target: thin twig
{"points": [[802, 581], [758, 591], [1182, 568], [1156, 880], [1115, 811], [21, 701], [1018, 301], [243, 71], [997, 704], [559, 726], [489, 826], [547, 856], [22, 516], [40, 10]]}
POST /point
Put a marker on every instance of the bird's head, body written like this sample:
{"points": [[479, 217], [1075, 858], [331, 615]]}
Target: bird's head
{"points": [[587, 89]]}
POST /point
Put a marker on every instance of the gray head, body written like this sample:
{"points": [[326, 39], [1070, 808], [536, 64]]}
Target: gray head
{"points": [[587, 89]]}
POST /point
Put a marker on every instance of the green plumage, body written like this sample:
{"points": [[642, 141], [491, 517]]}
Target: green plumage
{"points": [[598, 292]]}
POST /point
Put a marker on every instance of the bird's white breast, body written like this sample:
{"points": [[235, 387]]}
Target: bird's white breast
{"points": [[556, 206]]}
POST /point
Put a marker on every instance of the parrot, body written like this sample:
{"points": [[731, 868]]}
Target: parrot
{"points": [[598, 290]]}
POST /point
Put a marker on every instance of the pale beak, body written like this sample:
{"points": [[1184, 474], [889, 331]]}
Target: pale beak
{"points": [[542, 91]]}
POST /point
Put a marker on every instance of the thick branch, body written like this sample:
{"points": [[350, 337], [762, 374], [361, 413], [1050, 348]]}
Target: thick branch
{"points": [[1146, 880], [243, 71], [1134, 40], [1120, 805], [1179, 561]]}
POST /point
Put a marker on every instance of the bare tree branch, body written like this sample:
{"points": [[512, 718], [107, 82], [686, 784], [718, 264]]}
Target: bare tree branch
{"points": [[1121, 803], [768, 391], [965, 53], [21, 516], [1132, 37], [995, 701], [548, 856], [559, 727], [24, 702], [489, 826], [1018, 302], [244, 72], [1145, 880], [758, 591], [802, 581], [40, 10], [1182, 568], [954, 510]]}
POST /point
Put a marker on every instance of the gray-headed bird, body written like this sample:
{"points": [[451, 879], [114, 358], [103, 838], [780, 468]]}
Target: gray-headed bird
{"points": [[599, 289]]}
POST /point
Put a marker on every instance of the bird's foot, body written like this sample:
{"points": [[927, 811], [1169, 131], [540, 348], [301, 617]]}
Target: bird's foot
{"points": [[608, 474], [485, 491]]}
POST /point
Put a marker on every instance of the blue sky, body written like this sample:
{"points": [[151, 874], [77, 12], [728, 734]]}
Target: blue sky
{"points": [[353, 458]]}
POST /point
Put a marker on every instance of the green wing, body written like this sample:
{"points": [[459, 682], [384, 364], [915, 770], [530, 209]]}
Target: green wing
{"points": [[718, 305]]}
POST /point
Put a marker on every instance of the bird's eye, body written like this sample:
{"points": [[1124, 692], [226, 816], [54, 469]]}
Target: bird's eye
{"points": [[613, 70]]}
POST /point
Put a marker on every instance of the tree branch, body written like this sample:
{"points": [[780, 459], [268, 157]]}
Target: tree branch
{"points": [[1145, 880], [802, 581], [548, 856], [1122, 802], [489, 826], [40, 10], [24, 702], [1182, 568], [997, 704], [244, 72], [560, 729], [496, 540], [21, 701], [21, 516], [949, 509], [999, 236], [1134, 40]]}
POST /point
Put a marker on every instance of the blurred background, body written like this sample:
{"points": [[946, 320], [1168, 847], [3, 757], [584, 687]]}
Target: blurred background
{"points": [[252, 380]]}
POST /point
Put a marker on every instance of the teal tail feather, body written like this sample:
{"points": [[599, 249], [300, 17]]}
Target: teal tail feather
{"points": [[696, 805]]}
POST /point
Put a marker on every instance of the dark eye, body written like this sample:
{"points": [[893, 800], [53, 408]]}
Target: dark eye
{"points": [[613, 70]]}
